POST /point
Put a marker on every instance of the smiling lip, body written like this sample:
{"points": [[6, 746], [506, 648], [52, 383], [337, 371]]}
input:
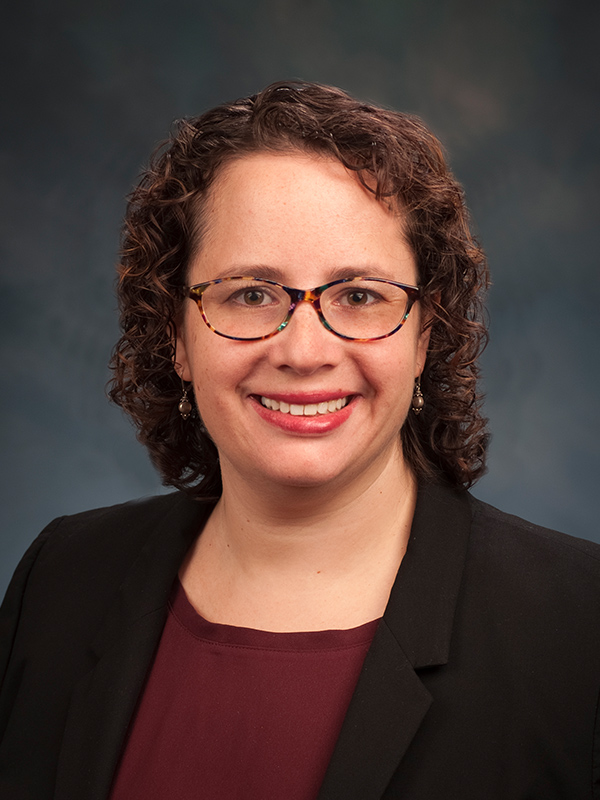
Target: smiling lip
{"points": [[305, 409], [308, 413]]}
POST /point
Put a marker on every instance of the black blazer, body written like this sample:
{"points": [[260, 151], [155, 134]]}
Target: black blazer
{"points": [[481, 682]]}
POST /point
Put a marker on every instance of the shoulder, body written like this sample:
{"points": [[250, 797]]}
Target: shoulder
{"points": [[524, 570], [133, 516], [507, 537], [527, 619], [101, 539], [87, 555], [76, 566]]}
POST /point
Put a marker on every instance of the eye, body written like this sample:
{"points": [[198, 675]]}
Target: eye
{"points": [[253, 297], [357, 298]]}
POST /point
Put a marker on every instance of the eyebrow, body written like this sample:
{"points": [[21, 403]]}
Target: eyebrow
{"points": [[366, 271], [252, 271], [277, 274]]}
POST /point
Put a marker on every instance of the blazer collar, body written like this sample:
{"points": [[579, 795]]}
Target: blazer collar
{"points": [[104, 701], [390, 701]]}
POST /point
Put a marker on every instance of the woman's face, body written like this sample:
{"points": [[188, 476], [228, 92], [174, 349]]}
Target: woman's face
{"points": [[301, 220]]}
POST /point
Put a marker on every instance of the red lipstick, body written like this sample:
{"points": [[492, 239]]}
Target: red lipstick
{"points": [[301, 424]]}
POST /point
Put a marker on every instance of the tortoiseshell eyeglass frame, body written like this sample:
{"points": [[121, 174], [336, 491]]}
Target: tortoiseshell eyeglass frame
{"points": [[312, 296]]}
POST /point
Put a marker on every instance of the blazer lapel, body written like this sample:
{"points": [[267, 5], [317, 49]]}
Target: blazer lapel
{"points": [[104, 700], [390, 701]]}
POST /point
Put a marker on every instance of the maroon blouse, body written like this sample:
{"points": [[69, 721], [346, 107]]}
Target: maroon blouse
{"points": [[231, 712]]}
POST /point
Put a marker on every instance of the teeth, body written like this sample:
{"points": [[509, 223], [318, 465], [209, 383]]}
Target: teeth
{"points": [[310, 410]]}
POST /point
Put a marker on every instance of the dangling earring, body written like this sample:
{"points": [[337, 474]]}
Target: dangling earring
{"points": [[185, 407], [418, 401]]}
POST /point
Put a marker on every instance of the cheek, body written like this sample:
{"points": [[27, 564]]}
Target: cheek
{"points": [[219, 370], [391, 374], [210, 387], [392, 367]]}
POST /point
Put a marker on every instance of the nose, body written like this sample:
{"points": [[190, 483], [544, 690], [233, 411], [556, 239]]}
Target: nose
{"points": [[305, 346]]}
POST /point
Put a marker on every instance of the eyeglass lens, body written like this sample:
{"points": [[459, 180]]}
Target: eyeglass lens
{"points": [[248, 309]]}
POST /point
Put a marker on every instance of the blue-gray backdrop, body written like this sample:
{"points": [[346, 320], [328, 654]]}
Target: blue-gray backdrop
{"points": [[88, 88]]}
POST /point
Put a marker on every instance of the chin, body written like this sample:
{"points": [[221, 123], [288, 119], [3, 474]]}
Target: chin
{"points": [[306, 478], [318, 473], [311, 464]]}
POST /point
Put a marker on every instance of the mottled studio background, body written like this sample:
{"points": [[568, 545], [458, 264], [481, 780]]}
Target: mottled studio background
{"points": [[89, 88]]}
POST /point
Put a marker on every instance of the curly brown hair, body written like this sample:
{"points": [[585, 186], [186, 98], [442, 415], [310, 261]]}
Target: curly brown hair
{"points": [[397, 158]]}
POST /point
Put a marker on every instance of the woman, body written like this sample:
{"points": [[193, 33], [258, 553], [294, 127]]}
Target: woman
{"points": [[323, 610]]}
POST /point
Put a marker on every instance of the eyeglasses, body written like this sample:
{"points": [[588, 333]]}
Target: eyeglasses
{"points": [[250, 309]]}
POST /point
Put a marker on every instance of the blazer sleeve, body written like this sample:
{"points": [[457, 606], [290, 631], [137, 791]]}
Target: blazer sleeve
{"points": [[10, 614]]}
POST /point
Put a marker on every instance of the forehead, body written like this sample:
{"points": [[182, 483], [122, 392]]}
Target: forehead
{"points": [[292, 178], [282, 209]]}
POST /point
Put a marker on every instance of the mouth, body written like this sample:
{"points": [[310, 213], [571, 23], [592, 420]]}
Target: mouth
{"points": [[308, 410]]}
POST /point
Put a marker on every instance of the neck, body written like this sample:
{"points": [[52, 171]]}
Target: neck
{"points": [[308, 557], [276, 523]]}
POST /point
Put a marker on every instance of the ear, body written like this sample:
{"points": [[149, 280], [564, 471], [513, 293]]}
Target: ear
{"points": [[182, 361], [423, 345], [426, 322]]}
